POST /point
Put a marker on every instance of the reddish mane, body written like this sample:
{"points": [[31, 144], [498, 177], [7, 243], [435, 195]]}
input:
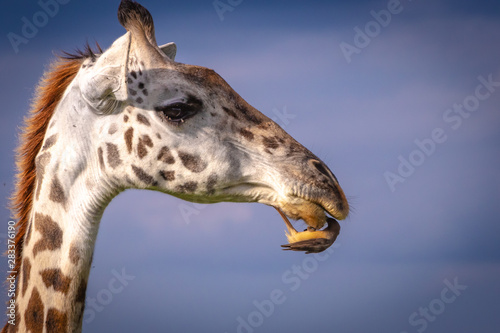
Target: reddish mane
{"points": [[48, 93]]}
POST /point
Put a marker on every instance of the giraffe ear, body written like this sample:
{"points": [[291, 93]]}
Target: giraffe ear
{"points": [[103, 84], [169, 49]]}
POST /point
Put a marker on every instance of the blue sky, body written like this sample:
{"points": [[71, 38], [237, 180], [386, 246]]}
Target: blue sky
{"points": [[196, 268]]}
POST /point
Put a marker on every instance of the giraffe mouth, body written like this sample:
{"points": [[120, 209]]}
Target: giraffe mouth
{"points": [[313, 214]]}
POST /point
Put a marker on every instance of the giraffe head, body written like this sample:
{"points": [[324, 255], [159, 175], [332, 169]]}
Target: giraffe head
{"points": [[132, 117], [182, 130]]}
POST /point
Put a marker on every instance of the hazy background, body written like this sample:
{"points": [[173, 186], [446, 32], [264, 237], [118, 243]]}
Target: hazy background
{"points": [[203, 268]]}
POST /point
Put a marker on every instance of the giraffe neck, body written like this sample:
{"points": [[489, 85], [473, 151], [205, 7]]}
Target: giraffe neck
{"points": [[68, 202]]}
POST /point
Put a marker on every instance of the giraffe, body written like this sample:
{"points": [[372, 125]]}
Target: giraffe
{"points": [[132, 117]]}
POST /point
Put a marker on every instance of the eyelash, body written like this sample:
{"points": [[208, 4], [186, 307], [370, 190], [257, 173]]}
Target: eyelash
{"points": [[177, 113]]}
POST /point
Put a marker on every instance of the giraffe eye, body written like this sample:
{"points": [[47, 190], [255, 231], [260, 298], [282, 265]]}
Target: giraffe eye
{"points": [[177, 113]]}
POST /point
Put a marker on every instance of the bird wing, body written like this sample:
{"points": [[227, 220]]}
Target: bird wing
{"points": [[313, 245]]}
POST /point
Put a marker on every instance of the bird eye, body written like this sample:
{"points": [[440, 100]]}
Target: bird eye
{"points": [[177, 113]]}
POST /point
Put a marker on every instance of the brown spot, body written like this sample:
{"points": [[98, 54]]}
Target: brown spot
{"points": [[147, 140], [249, 113], [113, 155], [41, 162], [140, 85], [205, 77], [101, 158], [145, 92], [28, 234], [139, 100], [80, 293], [129, 135], [141, 146], [57, 192], [192, 162], [51, 234], [270, 143], [158, 136], [247, 134], [53, 277], [230, 112], [212, 180], [166, 156], [26, 274], [74, 254], [132, 92], [141, 150], [33, 316], [134, 74], [294, 148], [167, 175], [143, 176], [188, 187], [112, 129], [51, 140], [56, 322], [125, 118], [142, 119]]}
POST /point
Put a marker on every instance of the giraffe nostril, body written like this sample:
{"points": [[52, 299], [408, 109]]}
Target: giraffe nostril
{"points": [[321, 167]]}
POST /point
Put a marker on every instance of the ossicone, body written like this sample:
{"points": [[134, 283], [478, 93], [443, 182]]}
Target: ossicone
{"points": [[132, 16]]}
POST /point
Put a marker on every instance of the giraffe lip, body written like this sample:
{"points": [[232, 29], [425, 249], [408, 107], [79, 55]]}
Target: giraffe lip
{"points": [[284, 216], [327, 204], [296, 207]]}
